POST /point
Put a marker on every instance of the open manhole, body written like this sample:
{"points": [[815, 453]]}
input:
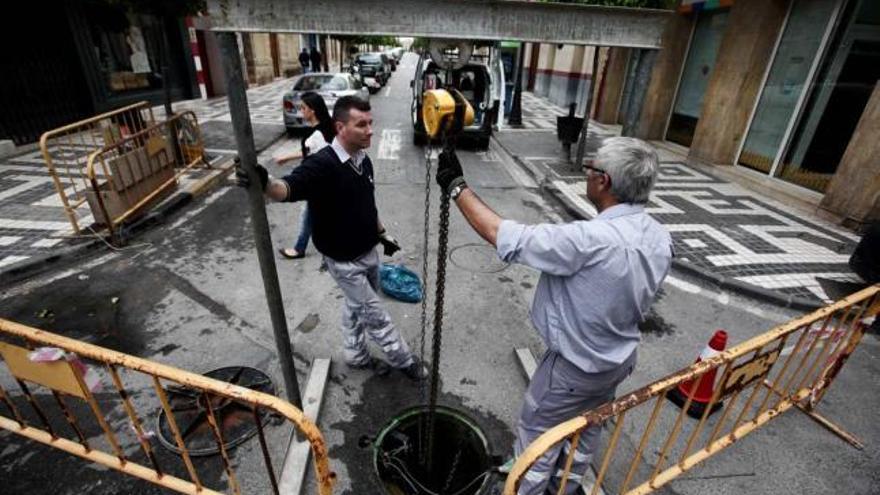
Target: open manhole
{"points": [[460, 462], [477, 258], [235, 420]]}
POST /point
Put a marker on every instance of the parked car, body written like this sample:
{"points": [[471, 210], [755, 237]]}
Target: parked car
{"points": [[480, 81], [392, 59], [373, 65], [331, 86]]}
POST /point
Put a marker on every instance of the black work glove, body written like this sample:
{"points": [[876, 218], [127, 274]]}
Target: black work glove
{"points": [[242, 179], [449, 172], [389, 244]]}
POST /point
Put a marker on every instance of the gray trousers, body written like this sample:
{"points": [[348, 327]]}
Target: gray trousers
{"points": [[363, 313], [558, 392]]}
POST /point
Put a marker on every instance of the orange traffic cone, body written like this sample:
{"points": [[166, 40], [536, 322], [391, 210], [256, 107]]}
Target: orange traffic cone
{"points": [[703, 394]]}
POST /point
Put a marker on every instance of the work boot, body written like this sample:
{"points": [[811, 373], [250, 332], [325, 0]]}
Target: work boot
{"points": [[377, 366], [415, 371]]}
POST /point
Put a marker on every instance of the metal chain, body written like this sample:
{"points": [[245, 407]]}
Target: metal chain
{"points": [[439, 299], [429, 151], [423, 390]]}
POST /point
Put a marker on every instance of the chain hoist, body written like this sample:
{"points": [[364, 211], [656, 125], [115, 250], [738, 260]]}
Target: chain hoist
{"points": [[445, 112]]}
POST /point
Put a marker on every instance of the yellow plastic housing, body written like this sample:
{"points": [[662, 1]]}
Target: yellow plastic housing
{"points": [[437, 104]]}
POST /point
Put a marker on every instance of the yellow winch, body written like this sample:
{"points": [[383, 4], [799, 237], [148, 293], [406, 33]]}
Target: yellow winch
{"points": [[445, 110]]}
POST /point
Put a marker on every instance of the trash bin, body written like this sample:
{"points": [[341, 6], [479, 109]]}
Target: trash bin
{"points": [[568, 129]]}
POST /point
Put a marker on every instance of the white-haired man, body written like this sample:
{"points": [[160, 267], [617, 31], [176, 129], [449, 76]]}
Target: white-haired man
{"points": [[598, 279]]}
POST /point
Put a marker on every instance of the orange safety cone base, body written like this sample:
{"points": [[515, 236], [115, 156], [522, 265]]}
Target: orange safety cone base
{"points": [[696, 408]]}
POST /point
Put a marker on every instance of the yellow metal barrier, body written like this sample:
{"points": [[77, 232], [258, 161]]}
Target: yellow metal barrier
{"points": [[67, 379], [792, 364], [137, 170], [66, 150]]}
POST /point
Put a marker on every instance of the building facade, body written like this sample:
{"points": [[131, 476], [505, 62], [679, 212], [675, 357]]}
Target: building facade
{"points": [[785, 91]]}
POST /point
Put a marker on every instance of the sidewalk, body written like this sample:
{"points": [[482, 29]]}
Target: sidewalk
{"points": [[722, 232], [34, 228]]}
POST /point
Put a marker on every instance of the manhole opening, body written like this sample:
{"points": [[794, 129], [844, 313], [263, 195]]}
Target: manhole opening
{"points": [[460, 461]]}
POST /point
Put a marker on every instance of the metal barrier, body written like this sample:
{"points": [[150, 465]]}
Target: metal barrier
{"points": [[137, 170], [67, 378], [69, 148], [816, 345]]}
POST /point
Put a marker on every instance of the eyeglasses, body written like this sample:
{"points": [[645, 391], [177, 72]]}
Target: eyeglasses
{"points": [[595, 169]]}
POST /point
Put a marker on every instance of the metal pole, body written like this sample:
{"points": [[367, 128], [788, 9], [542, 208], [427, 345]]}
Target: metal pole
{"points": [[582, 142], [244, 139], [515, 117]]}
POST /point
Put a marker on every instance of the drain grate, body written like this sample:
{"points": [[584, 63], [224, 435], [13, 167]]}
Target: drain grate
{"points": [[235, 420]]}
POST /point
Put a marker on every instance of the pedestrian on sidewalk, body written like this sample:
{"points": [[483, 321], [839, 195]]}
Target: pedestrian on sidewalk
{"points": [[337, 181], [304, 60], [315, 57], [314, 111], [598, 279]]}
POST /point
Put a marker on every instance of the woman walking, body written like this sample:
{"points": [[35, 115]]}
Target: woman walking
{"points": [[314, 111]]}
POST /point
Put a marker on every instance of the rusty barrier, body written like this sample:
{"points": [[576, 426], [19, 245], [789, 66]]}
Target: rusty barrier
{"points": [[66, 151], [72, 373], [137, 170], [790, 366]]}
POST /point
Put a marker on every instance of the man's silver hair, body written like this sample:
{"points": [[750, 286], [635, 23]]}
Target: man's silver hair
{"points": [[632, 165]]}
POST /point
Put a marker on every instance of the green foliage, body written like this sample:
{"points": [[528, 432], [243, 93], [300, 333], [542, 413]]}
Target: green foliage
{"points": [[367, 40], [644, 4]]}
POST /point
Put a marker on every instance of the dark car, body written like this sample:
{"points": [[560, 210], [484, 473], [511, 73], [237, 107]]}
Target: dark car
{"points": [[331, 86], [373, 65]]}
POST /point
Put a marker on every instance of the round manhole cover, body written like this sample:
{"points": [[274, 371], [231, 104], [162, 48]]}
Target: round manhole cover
{"points": [[477, 258], [189, 406]]}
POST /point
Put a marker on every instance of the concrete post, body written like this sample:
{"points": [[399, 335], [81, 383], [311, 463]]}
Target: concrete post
{"points": [[515, 118], [244, 139], [641, 79], [582, 142]]}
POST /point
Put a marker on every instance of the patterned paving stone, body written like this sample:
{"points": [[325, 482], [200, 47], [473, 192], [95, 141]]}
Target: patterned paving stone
{"points": [[32, 219], [719, 226]]}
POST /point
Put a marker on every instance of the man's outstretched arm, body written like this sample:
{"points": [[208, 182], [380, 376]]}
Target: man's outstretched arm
{"points": [[482, 218], [451, 180]]}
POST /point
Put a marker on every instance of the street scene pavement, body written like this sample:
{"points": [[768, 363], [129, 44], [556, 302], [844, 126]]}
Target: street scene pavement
{"points": [[188, 292]]}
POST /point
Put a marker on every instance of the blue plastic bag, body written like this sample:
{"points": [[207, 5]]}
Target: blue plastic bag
{"points": [[400, 282]]}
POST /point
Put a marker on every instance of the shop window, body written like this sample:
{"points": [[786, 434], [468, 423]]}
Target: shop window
{"points": [[848, 75], [128, 49], [786, 82], [701, 58]]}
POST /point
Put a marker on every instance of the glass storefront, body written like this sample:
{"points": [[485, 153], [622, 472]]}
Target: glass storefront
{"points": [[698, 67], [800, 43], [816, 91]]}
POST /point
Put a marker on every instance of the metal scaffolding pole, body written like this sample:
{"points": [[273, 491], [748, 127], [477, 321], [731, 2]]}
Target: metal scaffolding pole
{"points": [[244, 139]]}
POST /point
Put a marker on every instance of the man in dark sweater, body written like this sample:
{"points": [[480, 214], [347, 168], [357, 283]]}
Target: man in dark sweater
{"points": [[337, 181]]}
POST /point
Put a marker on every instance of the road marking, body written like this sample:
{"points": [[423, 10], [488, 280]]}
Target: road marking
{"points": [[29, 182], [388, 91], [12, 259], [683, 285], [210, 199], [6, 223], [389, 144]]}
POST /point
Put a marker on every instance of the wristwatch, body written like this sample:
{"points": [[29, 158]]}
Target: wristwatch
{"points": [[453, 194]]}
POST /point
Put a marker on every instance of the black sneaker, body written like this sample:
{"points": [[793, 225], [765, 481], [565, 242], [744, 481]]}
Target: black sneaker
{"points": [[377, 366], [415, 371]]}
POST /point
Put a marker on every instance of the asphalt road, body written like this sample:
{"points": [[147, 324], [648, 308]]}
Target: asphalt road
{"points": [[190, 295]]}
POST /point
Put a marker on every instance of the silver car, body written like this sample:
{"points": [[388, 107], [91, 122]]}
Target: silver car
{"points": [[331, 86]]}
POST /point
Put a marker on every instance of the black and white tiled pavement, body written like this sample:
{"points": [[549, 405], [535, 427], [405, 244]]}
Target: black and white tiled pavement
{"points": [[32, 219], [726, 229]]}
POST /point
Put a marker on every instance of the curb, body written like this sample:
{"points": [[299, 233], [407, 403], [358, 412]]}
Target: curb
{"points": [[43, 262], [727, 283]]}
